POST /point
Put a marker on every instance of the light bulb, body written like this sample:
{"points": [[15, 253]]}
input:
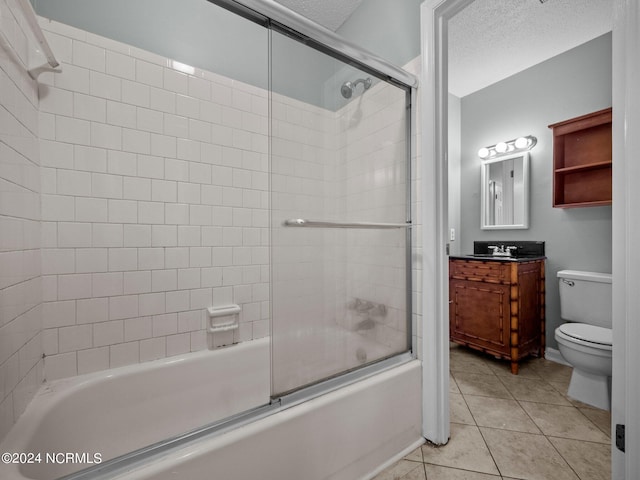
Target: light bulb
{"points": [[501, 147], [483, 152], [522, 142]]}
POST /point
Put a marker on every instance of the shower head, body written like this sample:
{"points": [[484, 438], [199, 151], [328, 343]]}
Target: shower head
{"points": [[347, 88]]}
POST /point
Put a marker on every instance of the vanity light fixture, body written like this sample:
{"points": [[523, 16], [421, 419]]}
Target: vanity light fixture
{"points": [[519, 144]]}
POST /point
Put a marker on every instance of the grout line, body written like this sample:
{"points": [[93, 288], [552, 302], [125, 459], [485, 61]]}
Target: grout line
{"points": [[464, 399], [499, 476], [519, 402], [562, 456], [490, 452]]}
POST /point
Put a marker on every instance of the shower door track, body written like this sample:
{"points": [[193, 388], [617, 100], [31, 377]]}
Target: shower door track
{"points": [[271, 14], [138, 458]]}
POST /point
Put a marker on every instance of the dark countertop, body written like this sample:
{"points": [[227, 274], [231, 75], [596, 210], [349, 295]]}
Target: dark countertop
{"points": [[492, 258]]}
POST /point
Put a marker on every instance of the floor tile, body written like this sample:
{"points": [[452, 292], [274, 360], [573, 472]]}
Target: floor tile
{"points": [[513, 414], [453, 386], [471, 354], [591, 461], [503, 368], [459, 412], [416, 474], [526, 456], [531, 390], [469, 364], [601, 418], [404, 470], [564, 422], [415, 456], [500, 413], [437, 472], [477, 384], [466, 450], [552, 371], [562, 387]]}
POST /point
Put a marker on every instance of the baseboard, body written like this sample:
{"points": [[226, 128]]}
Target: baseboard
{"points": [[553, 354]]}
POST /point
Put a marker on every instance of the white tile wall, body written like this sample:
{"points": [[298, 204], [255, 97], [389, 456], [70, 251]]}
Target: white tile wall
{"points": [[21, 339], [155, 205], [372, 186], [351, 166], [414, 67], [146, 180]]}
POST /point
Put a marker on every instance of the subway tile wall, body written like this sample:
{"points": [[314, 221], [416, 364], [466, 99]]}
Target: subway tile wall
{"points": [[353, 169], [373, 169], [135, 195], [21, 366], [415, 66], [154, 205]]}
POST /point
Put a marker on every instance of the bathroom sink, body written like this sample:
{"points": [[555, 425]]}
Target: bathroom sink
{"points": [[512, 258]]}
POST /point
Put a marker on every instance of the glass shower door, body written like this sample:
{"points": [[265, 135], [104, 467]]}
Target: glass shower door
{"points": [[339, 228]]}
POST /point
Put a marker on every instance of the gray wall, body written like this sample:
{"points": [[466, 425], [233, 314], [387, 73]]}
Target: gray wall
{"points": [[453, 159], [201, 34], [194, 32], [571, 84], [388, 28]]}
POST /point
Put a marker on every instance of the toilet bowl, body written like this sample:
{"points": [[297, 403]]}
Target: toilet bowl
{"points": [[588, 349], [585, 341]]}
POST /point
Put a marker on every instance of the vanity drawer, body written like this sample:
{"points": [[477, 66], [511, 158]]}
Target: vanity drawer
{"points": [[481, 271]]}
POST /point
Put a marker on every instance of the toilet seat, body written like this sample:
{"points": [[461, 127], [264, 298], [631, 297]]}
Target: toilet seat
{"points": [[585, 334]]}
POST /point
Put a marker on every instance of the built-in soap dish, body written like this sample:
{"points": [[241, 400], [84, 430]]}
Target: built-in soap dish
{"points": [[223, 318]]}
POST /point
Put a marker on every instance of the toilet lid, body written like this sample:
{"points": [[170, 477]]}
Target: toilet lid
{"points": [[588, 333]]}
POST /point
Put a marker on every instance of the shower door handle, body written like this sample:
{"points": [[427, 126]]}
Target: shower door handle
{"points": [[301, 222]]}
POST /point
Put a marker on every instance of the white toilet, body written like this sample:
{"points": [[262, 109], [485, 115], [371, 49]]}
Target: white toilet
{"points": [[585, 341]]}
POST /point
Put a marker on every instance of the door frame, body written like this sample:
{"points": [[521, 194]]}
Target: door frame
{"points": [[626, 234], [434, 337]]}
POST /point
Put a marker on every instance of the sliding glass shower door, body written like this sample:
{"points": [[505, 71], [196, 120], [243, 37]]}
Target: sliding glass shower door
{"points": [[340, 233]]}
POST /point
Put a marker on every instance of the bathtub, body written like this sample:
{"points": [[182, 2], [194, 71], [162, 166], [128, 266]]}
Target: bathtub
{"points": [[348, 433]]}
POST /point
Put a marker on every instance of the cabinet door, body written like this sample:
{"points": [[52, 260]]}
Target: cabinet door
{"points": [[479, 314], [529, 306]]}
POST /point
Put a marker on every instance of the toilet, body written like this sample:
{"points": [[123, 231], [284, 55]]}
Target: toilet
{"points": [[585, 340]]}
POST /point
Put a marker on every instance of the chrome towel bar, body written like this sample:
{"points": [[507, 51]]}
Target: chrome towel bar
{"points": [[301, 222]]}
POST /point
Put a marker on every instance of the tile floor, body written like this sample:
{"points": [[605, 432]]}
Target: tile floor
{"points": [[511, 427]]}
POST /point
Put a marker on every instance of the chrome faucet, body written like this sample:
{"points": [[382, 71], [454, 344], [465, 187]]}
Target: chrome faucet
{"points": [[501, 250]]}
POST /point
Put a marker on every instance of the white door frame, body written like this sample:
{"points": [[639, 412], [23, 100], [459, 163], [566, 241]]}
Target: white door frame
{"points": [[626, 235], [435, 15], [434, 345]]}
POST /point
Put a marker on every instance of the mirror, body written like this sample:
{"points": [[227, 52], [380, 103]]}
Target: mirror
{"points": [[505, 192]]}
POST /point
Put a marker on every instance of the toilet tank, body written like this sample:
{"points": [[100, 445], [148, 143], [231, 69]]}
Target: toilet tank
{"points": [[585, 297]]}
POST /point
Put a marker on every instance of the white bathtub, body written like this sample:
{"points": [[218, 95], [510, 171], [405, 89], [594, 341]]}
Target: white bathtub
{"points": [[346, 434]]}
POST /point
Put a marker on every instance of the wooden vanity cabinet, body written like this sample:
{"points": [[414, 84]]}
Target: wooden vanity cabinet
{"points": [[498, 307]]}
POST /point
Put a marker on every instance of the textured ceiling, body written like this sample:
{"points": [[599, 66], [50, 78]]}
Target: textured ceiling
{"points": [[494, 39], [328, 13]]}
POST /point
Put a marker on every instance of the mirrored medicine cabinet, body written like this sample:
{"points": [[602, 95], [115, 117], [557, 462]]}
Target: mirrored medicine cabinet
{"points": [[505, 192]]}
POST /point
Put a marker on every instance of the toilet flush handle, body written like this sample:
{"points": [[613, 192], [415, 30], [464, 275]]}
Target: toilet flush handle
{"points": [[568, 282]]}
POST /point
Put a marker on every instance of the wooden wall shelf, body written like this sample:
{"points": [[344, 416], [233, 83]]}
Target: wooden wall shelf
{"points": [[582, 160]]}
